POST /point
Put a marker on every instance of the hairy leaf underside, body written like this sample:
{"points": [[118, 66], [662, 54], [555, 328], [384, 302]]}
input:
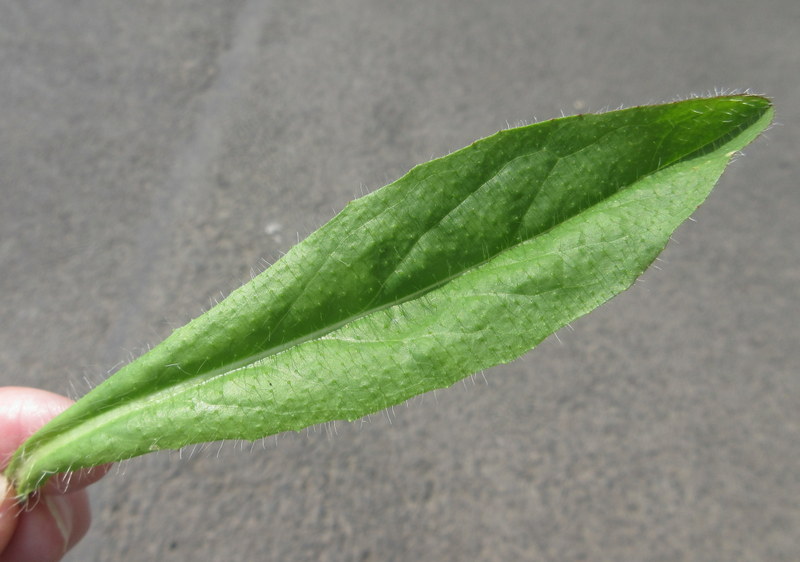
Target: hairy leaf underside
{"points": [[465, 262]]}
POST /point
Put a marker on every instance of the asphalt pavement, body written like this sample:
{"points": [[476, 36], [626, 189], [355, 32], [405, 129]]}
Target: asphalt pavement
{"points": [[154, 154]]}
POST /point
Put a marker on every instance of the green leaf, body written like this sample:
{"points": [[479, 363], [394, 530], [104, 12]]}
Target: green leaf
{"points": [[465, 262]]}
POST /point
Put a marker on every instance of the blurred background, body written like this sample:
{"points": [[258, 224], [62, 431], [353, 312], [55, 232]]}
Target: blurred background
{"points": [[154, 154]]}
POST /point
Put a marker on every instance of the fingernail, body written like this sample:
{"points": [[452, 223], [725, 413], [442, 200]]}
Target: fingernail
{"points": [[5, 487], [59, 508], [8, 511], [7, 499]]}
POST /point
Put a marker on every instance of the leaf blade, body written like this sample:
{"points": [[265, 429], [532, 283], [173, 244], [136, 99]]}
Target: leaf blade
{"points": [[393, 295]]}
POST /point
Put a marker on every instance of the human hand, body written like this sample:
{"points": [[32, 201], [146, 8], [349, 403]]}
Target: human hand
{"points": [[57, 516]]}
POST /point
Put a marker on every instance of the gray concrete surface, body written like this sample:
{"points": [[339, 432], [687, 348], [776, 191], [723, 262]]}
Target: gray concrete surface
{"points": [[152, 153]]}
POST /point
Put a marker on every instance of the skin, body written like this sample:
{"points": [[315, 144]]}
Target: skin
{"points": [[55, 518]]}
